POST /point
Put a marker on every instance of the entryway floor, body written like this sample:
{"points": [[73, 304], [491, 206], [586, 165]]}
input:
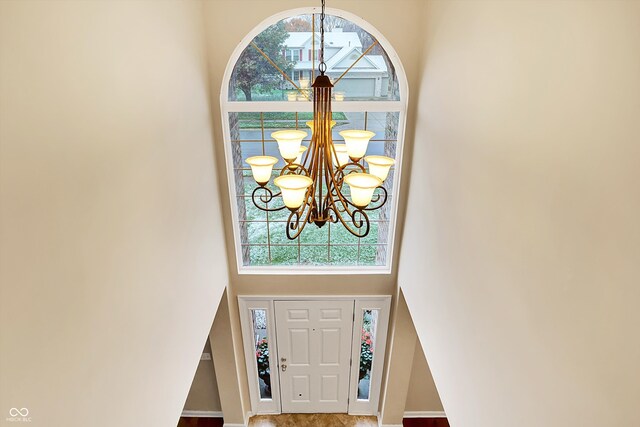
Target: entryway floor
{"points": [[312, 420]]}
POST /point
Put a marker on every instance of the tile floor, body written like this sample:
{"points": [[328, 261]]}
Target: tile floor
{"points": [[312, 420]]}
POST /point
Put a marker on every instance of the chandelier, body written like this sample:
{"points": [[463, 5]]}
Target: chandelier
{"points": [[312, 182]]}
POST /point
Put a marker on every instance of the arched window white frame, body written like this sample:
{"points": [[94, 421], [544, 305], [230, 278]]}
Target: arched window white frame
{"points": [[388, 106]]}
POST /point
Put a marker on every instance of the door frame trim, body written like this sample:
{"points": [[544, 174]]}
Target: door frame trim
{"points": [[266, 302], [370, 406], [258, 405]]}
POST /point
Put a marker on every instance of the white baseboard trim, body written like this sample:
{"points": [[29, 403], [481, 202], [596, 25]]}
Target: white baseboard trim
{"points": [[425, 414], [247, 415], [201, 414]]}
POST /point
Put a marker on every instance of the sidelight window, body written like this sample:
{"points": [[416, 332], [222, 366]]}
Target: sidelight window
{"points": [[261, 339], [367, 346]]}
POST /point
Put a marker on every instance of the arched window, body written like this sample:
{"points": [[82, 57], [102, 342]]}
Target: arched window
{"points": [[265, 90]]}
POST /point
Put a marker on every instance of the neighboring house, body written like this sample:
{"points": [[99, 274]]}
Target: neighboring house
{"points": [[368, 78]]}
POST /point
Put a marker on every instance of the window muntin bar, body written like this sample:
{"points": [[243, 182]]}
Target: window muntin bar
{"points": [[265, 242]]}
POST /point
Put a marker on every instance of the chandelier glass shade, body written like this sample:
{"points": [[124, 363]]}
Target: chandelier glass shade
{"points": [[324, 182]]}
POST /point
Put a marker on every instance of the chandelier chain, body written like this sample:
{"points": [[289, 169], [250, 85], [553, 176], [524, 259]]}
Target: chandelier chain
{"points": [[322, 67]]}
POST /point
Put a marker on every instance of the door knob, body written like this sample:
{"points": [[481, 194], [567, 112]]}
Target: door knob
{"points": [[284, 368]]}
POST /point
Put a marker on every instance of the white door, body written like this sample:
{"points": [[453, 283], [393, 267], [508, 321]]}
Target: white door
{"points": [[314, 347]]}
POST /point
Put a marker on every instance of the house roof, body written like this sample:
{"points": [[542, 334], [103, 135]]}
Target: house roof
{"points": [[348, 43], [331, 39], [378, 60], [342, 60]]}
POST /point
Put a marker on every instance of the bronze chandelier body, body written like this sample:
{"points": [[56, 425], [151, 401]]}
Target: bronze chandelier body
{"points": [[324, 200]]}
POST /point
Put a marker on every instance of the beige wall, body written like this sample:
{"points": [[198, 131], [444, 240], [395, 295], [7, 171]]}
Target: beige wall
{"points": [[521, 267], [225, 361], [422, 395], [401, 348], [203, 394], [111, 257]]}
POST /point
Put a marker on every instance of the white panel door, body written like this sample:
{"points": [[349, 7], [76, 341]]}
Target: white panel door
{"points": [[314, 347]]}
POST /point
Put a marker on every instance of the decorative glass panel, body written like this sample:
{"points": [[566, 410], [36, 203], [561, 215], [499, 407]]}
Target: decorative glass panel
{"points": [[259, 321], [280, 63], [367, 345]]}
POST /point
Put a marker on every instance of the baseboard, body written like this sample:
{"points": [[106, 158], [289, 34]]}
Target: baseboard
{"points": [[201, 414], [425, 414], [247, 415]]}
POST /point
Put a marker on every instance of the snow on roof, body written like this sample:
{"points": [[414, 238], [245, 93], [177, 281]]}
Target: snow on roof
{"points": [[304, 65], [345, 42], [331, 39], [378, 61], [339, 56], [298, 39]]}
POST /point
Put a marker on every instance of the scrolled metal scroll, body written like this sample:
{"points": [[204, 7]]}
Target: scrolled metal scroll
{"points": [[265, 198], [375, 200]]}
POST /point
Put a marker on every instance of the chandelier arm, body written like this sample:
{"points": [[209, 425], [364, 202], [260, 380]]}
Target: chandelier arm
{"points": [[313, 170], [339, 174], [341, 198], [308, 155], [374, 200], [377, 198], [325, 139], [337, 179], [334, 193], [359, 219], [328, 173], [265, 198], [317, 169], [332, 151], [340, 205], [331, 218], [294, 169], [294, 223]]}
